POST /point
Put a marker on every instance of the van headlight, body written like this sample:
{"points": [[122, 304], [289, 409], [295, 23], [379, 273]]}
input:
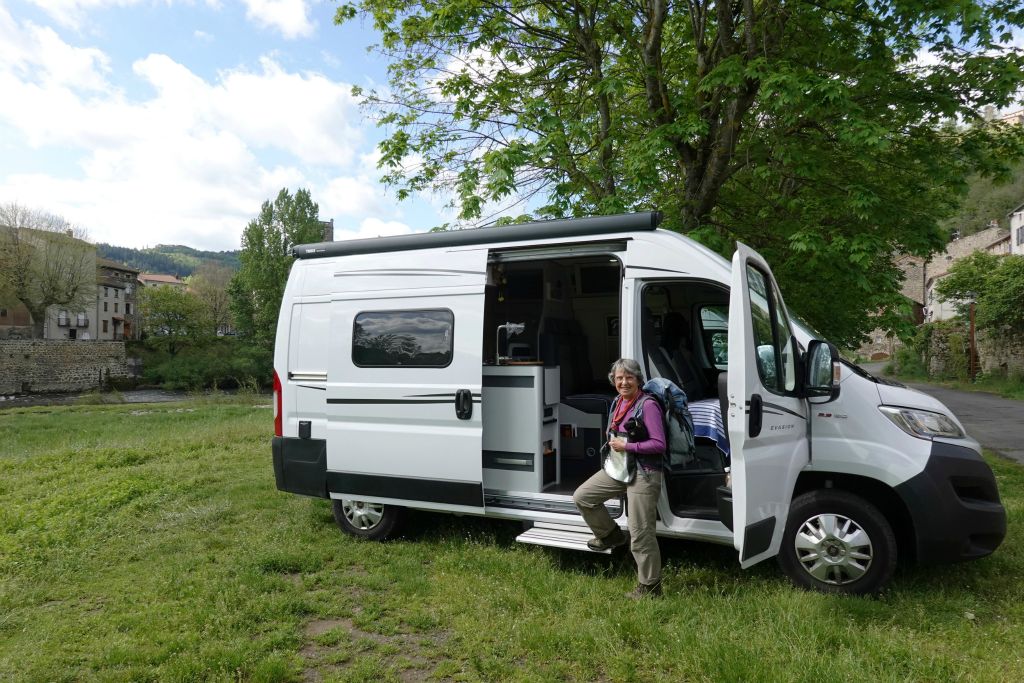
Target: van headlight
{"points": [[923, 424]]}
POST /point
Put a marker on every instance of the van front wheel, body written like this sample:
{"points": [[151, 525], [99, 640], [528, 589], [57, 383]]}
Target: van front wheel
{"points": [[837, 542], [367, 520]]}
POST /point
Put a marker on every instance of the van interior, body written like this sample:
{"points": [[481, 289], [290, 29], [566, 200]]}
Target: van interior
{"points": [[556, 318]]}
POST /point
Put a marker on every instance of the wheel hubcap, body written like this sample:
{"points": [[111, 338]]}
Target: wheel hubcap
{"points": [[833, 549], [364, 516]]}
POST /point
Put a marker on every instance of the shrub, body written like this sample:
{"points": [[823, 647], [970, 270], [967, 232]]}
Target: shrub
{"points": [[224, 363]]}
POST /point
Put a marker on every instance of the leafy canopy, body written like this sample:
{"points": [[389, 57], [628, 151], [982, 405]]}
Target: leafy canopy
{"points": [[996, 284], [257, 288], [817, 132], [173, 318]]}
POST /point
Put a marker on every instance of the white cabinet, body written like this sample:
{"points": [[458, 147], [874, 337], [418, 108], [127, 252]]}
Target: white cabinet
{"points": [[520, 427]]}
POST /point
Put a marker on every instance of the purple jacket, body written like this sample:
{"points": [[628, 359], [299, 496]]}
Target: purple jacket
{"points": [[650, 411]]}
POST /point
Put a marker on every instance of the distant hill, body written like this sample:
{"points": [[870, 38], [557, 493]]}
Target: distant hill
{"points": [[173, 259], [987, 201]]}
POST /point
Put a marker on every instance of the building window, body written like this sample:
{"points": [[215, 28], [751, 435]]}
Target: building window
{"points": [[104, 325], [403, 338], [1020, 235], [127, 308], [106, 291], [117, 293], [104, 306]]}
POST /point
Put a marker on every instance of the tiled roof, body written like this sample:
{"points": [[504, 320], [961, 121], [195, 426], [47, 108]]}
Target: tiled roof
{"points": [[160, 277]]}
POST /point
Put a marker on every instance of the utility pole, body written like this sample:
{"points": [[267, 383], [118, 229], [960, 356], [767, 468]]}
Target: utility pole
{"points": [[971, 363]]}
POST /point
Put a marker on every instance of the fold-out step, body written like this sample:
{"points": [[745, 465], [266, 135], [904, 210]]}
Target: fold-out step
{"points": [[559, 536]]}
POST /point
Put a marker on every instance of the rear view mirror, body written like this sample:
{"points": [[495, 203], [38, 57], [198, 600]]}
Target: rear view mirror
{"points": [[821, 371]]}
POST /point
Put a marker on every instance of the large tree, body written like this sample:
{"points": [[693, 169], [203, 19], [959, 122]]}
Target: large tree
{"points": [[258, 286], [210, 283], [44, 261], [173, 318], [996, 284], [817, 131]]}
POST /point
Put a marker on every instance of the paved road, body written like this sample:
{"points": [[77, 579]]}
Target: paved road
{"points": [[996, 422]]}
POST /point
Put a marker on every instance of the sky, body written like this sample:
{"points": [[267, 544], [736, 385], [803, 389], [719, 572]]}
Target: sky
{"points": [[152, 122]]}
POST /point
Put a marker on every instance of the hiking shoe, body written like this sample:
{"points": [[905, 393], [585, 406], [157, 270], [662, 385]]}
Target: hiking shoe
{"points": [[609, 542], [644, 591]]}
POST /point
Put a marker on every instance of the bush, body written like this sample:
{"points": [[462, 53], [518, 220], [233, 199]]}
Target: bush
{"points": [[907, 362], [223, 363]]}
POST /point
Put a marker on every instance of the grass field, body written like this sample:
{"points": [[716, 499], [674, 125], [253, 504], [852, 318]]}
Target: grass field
{"points": [[148, 543]]}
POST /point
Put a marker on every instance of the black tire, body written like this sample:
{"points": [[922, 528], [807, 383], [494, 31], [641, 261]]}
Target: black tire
{"points": [[372, 521], [837, 542]]}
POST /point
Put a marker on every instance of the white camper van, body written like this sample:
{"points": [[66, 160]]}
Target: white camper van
{"points": [[466, 372]]}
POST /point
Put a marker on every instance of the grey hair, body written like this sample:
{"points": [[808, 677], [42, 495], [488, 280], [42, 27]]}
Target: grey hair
{"points": [[627, 365]]}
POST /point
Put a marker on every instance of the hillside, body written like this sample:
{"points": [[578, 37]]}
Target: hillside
{"points": [[987, 201], [173, 259]]}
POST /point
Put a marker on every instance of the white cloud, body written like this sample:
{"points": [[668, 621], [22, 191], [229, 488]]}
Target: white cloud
{"points": [[193, 161], [290, 17], [202, 35], [370, 227], [71, 13]]}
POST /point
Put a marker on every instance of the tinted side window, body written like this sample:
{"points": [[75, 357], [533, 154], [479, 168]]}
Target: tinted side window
{"points": [[403, 338]]}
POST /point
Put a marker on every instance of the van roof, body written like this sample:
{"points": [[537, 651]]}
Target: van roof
{"points": [[520, 232]]}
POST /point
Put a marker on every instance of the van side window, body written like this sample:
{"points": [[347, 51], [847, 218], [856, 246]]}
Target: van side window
{"points": [[772, 339], [714, 322], [419, 339]]}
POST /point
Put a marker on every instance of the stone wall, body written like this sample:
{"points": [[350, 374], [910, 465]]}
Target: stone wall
{"points": [[1000, 358], [948, 353], [42, 365]]}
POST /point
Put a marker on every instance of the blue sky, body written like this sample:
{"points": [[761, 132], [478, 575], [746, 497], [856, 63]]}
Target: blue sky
{"points": [[171, 121]]}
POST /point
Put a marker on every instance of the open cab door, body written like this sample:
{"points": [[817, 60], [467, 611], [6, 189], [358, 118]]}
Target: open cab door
{"points": [[767, 417]]}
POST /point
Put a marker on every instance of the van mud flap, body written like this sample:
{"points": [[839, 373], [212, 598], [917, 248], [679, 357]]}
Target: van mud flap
{"points": [[300, 466]]}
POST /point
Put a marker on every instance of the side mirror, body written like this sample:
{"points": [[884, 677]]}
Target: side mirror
{"points": [[821, 371]]}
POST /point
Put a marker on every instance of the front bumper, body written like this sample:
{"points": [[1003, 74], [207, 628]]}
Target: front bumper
{"points": [[955, 507]]}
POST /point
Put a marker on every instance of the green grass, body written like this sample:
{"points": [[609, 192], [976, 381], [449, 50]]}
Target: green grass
{"points": [[148, 543]]}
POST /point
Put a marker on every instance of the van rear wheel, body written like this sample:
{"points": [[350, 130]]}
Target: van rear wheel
{"points": [[837, 542], [374, 521]]}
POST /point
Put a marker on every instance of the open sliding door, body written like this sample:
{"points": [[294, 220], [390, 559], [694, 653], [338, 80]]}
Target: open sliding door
{"points": [[404, 382]]}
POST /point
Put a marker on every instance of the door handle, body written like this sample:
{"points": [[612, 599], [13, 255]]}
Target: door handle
{"points": [[463, 404], [756, 413]]}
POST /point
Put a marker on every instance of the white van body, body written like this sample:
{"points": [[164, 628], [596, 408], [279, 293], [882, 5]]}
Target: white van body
{"points": [[463, 372]]}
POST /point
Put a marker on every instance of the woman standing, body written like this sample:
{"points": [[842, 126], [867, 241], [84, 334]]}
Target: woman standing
{"points": [[647, 447]]}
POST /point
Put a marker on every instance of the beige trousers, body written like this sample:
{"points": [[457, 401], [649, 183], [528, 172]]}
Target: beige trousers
{"points": [[642, 506]]}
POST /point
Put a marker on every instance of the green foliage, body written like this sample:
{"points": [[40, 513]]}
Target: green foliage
{"points": [[168, 258], [258, 286], [173, 318], [810, 131], [148, 543], [987, 200], [996, 283], [222, 362], [907, 363]]}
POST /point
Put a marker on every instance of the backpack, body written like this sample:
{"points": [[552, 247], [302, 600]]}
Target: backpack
{"points": [[678, 422]]}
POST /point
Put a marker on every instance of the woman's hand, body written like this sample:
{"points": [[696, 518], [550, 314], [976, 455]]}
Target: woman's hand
{"points": [[617, 443]]}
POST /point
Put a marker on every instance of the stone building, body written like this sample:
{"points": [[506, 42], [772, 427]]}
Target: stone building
{"points": [[116, 311]]}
